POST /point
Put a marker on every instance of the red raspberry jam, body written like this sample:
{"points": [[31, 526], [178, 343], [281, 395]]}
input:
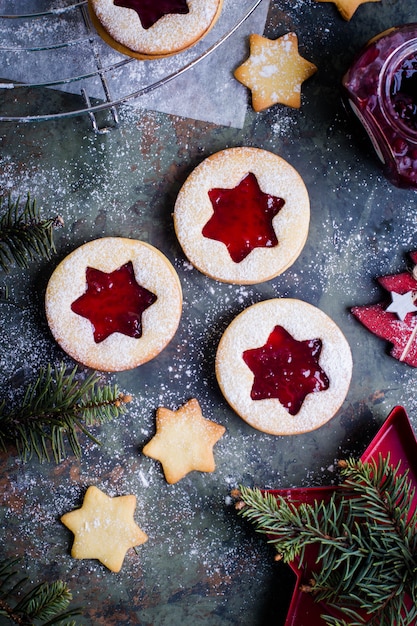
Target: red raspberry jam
{"points": [[242, 218], [113, 302], [150, 11], [381, 88], [286, 369], [404, 92]]}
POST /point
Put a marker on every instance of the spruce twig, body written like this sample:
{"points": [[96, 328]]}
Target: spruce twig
{"points": [[23, 234], [365, 537], [46, 604], [57, 406]]}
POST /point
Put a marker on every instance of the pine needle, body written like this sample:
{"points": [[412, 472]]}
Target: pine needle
{"points": [[366, 537], [23, 234], [45, 604], [55, 409]]}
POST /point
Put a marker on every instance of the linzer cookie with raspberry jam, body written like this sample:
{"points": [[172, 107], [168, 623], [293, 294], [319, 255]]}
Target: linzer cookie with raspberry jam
{"points": [[114, 303], [242, 216], [150, 29], [284, 366]]}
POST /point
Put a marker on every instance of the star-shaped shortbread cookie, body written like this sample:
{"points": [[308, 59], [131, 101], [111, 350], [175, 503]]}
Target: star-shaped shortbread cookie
{"points": [[347, 7], [104, 528], [184, 441], [274, 71]]}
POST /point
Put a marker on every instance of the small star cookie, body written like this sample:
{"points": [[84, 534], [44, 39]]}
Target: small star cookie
{"points": [[184, 441], [347, 8], [274, 71], [104, 528]]}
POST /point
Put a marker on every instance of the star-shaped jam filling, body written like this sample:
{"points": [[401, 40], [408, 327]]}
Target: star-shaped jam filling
{"points": [[242, 218], [150, 11], [286, 369], [113, 302]]}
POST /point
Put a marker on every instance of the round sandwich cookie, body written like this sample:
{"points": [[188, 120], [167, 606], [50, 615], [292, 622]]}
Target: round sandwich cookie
{"points": [[114, 303], [284, 366], [242, 216], [152, 29]]}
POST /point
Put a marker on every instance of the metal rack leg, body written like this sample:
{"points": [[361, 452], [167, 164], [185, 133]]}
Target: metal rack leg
{"points": [[104, 83], [93, 119]]}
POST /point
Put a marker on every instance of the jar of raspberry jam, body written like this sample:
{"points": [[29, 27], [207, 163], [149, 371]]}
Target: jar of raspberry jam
{"points": [[381, 88]]}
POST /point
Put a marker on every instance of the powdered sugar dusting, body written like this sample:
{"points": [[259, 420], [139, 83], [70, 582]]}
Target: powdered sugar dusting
{"points": [[171, 33], [201, 562]]}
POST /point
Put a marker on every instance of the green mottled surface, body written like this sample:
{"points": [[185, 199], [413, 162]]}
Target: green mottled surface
{"points": [[202, 564]]}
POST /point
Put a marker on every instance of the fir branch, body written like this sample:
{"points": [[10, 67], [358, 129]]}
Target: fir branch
{"points": [[23, 234], [46, 604], [57, 406], [365, 537]]}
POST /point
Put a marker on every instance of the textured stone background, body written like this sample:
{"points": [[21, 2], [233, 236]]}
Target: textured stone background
{"points": [[201, 564]]}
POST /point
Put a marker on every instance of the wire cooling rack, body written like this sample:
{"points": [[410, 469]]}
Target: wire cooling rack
{"points": [[58, 49]]}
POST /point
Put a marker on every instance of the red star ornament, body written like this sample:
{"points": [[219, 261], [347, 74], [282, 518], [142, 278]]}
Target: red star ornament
{"points": [[113, 302], [150, 11], [390, 320], [242, 218], [396, 438]]}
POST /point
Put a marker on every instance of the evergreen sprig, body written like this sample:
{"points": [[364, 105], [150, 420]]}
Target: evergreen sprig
{"points": [[365, 537], [56, 406], [23, 234], [45, 604]]}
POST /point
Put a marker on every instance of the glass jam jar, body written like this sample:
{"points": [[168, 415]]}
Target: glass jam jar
{"points": [[381, 88]]}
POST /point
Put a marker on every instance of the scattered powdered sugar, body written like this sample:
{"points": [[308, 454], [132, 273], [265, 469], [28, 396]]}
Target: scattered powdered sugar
{"points": [[201, 561]]}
